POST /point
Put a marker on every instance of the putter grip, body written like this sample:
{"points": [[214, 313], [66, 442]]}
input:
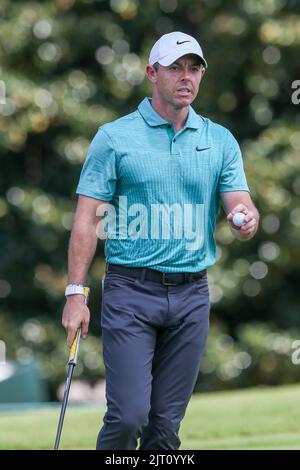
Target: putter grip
{"points": [[75, 345]]}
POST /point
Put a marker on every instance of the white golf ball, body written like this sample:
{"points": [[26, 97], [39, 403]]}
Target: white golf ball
{"points": [[238, 219]]}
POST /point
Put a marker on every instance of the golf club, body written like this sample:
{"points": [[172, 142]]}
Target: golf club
{"points": [[71, 363]]}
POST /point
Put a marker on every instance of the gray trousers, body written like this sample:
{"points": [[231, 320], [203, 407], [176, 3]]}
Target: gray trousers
{"points": [[153, 341]]}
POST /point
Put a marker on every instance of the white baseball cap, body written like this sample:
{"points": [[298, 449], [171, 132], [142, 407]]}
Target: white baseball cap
{"points": [[173, 45]]}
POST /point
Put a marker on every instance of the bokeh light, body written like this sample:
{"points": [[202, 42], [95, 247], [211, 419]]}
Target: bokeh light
{"points": [[270, 223]]}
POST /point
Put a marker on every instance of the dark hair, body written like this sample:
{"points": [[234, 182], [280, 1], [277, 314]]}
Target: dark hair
{"points": [[155, 66]]}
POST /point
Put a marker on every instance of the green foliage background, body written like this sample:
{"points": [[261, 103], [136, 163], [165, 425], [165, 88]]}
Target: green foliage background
{"points": [[69, 66]]}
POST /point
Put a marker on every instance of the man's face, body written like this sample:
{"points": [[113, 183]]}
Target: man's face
{"points": [[178, 83]]}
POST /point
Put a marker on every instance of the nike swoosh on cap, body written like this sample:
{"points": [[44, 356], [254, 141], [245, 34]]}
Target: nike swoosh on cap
{"points": [[201, 149], [182, 42]]}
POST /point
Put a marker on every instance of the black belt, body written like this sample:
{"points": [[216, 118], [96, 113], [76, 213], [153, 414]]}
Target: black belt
{"points": [[167, 279]]}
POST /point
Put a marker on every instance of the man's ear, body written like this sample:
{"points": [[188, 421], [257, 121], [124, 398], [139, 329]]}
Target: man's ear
{"points": [[151, 73], [203, 70]]}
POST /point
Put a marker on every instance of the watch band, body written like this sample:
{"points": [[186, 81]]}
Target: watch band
{"points": [[73, 289]]}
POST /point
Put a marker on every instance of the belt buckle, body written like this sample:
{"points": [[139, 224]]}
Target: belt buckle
{"points": [[165, 283]]}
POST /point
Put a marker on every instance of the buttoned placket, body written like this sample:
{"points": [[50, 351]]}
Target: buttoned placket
{"points": [[174, 147]]}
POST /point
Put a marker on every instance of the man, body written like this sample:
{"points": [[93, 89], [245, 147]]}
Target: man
{"points": [[168, 167]]}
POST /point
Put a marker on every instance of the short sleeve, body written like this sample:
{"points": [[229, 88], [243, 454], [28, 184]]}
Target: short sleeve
{"points": [[232, 176], [98, 174]]}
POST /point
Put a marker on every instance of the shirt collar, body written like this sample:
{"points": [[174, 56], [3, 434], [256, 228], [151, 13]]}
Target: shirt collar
{"points": [[154, 119]]}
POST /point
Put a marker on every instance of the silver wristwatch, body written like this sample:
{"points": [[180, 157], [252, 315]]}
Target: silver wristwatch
{"points": [[73, 289]]}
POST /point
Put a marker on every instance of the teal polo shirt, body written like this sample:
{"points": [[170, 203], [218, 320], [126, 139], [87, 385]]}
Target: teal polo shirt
{"points": [[162, 186]]}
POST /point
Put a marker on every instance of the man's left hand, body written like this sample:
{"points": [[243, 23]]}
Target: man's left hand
{"points": [[250, 223]]}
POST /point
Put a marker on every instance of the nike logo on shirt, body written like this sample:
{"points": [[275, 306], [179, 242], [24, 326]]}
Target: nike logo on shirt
{"points": [[201, 150]]}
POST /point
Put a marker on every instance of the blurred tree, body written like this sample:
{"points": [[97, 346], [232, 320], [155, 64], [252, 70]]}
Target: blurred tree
{"points": [[68, 66]]}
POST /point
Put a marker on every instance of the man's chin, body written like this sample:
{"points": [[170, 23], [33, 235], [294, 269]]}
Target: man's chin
{"points": [[183, 101]]}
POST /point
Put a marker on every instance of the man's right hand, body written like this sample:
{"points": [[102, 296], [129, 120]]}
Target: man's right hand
{"points": [[76, 315]]}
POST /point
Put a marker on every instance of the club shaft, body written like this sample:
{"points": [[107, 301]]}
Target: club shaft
{"points": [[64, 405], [72, 363]]}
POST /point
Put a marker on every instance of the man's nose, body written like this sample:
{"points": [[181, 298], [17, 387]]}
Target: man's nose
{"points": [[185, 75]]}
